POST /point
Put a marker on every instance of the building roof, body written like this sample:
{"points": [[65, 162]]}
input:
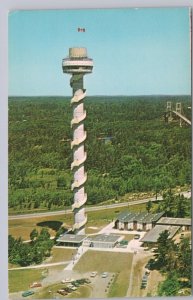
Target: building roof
{"points": [[142, 217], [153, 235], [175, 221], [71, 238], [104, 238], [126, 216]]}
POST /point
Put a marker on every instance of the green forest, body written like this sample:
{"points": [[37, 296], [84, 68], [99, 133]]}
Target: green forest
{"points": [[130, 148]]}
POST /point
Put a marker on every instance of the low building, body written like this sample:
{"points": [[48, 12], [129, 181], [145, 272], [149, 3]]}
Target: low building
{"points": [[142, 221], [102, 241], [151, 237], [184, 223], [71, 240]]}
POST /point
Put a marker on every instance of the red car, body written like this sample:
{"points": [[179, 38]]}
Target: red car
{"points": [[35, 284]]}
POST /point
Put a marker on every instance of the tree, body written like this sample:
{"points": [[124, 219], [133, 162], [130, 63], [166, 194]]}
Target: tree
{"points": [[185, 258], [34, 234], [49, 205], [25, 254], [60, 231], [166, 251], [169, 202], [11, 243], [37, 203], [149, 206], [44, 235], [170, 286], [181, 206], [61, 182]]}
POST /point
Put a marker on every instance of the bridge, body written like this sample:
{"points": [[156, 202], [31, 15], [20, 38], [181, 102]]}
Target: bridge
{"points": [[178, 112], [182, 117]]}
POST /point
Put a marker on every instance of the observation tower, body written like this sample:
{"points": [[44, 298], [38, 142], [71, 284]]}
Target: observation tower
{"points": [[78, 64]]}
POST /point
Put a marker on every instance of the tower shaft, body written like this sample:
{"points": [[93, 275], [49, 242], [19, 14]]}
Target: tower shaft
{"points": [[78, 64], [79, 157]]}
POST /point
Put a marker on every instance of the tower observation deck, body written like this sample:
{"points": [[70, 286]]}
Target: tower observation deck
{"points": [[78, 64]]}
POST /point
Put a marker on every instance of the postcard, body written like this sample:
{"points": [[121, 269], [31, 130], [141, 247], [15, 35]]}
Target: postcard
{"points": [[100, 153]]}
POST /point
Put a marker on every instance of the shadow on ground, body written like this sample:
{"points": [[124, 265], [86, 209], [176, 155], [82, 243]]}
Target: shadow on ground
{"points": [[55, 225]]}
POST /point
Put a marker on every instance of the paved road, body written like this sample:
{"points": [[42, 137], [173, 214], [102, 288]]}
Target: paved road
{"points": [[42, 265], [92, 208], [186, 194]]}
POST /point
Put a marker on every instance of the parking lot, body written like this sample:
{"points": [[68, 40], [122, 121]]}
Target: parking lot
{"points": [[100, 286]]}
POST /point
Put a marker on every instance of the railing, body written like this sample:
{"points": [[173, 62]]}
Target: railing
{"points": [[78, 162], [77, 58], [78, 96], [78, 119], [78, 204], [77, 142], [77, 184]]}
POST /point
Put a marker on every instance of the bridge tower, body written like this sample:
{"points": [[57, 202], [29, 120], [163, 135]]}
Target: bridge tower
{"points": [[169, 111], [78, 64], [179, 107], [169, 106], [179, 110]]}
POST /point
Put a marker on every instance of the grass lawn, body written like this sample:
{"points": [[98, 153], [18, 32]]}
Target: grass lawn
{"points": [[128, 237], [120, 285], [100, 218], [19, 280], [61, 254], [91, 230], [23, 227], [119, 263], [12, 266]]}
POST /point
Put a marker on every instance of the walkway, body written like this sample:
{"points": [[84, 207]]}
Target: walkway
{"points": [[73, 262], [41, 266]]}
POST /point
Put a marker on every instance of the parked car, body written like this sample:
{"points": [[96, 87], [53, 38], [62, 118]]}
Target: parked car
{"points": [[72, 287], [68, 290], [81, 281], [67, 280], [62, 292], [76, 284], [104, 275], [93, 274], [143, 285], [136, 236], [144, 279], [27, 293], [35, 284]]}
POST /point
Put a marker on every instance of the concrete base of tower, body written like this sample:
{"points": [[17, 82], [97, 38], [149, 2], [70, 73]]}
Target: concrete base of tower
{"points": [[79, 227], [80, 231]]}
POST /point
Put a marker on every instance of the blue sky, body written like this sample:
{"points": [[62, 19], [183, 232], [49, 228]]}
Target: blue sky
{"points": [[135, 51]]}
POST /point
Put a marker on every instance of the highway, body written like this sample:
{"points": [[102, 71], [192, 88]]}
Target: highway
{"points": [[186, 194]]}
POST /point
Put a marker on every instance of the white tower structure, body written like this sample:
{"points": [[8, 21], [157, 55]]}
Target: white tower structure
{"points": [[78, 64]]}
